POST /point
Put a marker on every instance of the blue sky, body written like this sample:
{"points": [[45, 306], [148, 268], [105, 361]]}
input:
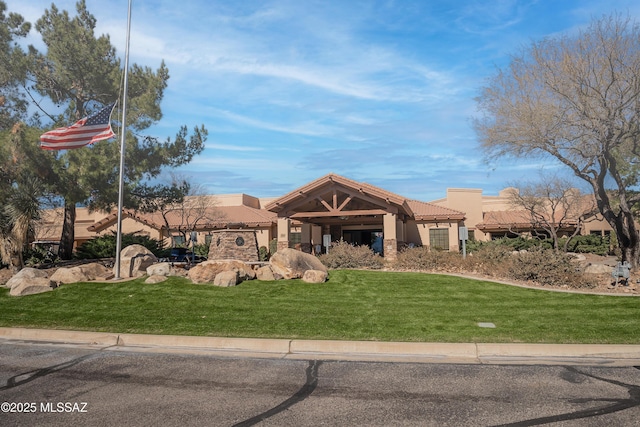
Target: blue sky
{"points": [[378, 91]]}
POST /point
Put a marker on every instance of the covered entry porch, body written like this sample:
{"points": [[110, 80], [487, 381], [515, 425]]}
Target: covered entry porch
{"points": [[334, 208]]}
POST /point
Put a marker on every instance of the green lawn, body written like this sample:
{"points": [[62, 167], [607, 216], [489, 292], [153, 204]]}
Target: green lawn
{"points": [[352, 305]]}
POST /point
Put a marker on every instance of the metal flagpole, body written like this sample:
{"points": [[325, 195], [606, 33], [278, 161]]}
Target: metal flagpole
{"points": [[122, 145]]}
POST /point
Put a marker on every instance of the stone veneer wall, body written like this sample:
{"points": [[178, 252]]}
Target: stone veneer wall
{"points": [[234, 244], [390, 249]]}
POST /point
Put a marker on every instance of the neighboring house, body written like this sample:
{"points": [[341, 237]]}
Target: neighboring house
{"points": [[328, 209]]}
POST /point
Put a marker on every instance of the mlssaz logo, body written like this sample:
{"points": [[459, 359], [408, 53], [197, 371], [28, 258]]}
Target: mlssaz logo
{"points": [[63, 407]]}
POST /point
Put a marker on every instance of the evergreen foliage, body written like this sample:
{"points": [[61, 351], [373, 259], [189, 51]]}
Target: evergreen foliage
{"points": [[105, 246]]}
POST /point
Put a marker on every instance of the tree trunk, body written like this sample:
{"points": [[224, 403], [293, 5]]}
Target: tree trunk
{"points": [[13, 255], [68, 231], [628, 240]]}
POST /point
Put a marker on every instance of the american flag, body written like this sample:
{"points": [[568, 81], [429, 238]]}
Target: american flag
{"points": [[84, 132]]}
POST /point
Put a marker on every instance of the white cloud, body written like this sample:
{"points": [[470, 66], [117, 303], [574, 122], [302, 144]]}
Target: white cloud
{"points": [[230, 147]]}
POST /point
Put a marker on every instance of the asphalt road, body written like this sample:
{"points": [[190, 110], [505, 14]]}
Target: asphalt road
{"points": [[55, 385]]}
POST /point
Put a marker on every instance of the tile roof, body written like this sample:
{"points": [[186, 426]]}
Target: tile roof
{"points": [[426, 211], [214, 217], [515, 219], [505, 220]]}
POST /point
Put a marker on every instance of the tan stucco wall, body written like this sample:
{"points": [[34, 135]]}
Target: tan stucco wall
{"points": [[467, 200], [473, 203], [50, 225], [418, 232], [597, 224]]}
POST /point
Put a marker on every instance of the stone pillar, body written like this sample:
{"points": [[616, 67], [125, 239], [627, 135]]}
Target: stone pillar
{"points": [[389, 230], [305, 238], [284, 230], [401, 235], [234, 244], [316, 239]]}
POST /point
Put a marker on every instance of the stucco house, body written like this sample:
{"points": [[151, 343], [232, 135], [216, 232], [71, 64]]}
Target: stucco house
{"points": [[328, 209]]}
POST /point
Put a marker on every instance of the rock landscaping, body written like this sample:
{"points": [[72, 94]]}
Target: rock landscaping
{"points": [[138, 261]]}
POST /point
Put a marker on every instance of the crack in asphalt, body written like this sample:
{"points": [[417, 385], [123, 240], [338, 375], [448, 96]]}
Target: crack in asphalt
{"points": [[618, 405], [25, 377], [299, 396]]}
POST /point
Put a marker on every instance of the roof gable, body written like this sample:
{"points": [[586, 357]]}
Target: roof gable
{"points": [[335, 195]]}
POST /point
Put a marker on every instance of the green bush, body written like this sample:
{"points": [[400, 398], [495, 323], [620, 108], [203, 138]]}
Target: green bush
{"points": [[512, 243], [345, 255], [105, 246], [201, 250], [37, 255], [263, 253], [588, 244], [273, 246]]}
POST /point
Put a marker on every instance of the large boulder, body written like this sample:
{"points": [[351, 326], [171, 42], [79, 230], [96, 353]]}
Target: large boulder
{"points": [[266, 273], [161, 269], [226, 278], [314, 276], [24, 275], [29, 286], [81, 273], [206, 271], [598, 269], [155, 279], [291, 264], [134, 260], [96, 271], [68, 275]]}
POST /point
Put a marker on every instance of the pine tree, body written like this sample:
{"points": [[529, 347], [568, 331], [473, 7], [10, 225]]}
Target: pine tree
{"points": [[83, 73]]}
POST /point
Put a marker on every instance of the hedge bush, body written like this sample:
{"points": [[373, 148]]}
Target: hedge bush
{"points": [[589, 244], [541, 265]]}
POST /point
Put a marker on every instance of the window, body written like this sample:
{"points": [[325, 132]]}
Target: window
{"points": [[294, 239], [178, 240], [439, 238]]}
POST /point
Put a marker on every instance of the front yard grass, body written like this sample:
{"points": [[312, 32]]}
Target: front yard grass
{"points": [[352, 305]]}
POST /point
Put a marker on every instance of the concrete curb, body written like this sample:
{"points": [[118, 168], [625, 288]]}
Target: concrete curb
{"points": [[101, 339], [468, 353]]}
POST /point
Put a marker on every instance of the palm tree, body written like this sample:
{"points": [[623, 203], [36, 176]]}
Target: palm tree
{"points": [[22, 207]]}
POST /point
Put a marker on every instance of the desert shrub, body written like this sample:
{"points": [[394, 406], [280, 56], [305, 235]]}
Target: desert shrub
{"points": [[105, 246], [545, 267], [344, 255], [423, 258], [489, 259]]}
